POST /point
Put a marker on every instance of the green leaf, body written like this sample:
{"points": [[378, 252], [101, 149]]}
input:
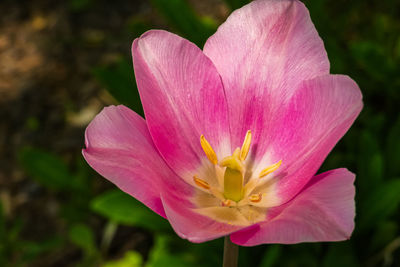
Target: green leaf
{"points": [[49, 170], [370, 162], [131, 259], [182, 17], [124, 209], [119, 80], [82, 236], [32, 250], [368, 53], [382, 202], [271, 256], [160, 255], [137, 25], [393, 149], [235, 4], [340, 254], [79, 5], [385, 232]]}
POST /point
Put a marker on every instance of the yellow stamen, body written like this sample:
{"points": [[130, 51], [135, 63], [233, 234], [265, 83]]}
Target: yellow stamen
{"points": [[236, 153], [201, 183], [244, 151], [270, 169], [208, 150], [255, 198]]}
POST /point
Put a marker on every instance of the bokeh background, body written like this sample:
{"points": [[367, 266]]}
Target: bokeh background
{"points": [[62, 61]]}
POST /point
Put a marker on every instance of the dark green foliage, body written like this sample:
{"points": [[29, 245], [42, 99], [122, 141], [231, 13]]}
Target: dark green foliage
{"points": [[181, 16], [50, 171], [120, 82], [235, 4], [123, 209]]}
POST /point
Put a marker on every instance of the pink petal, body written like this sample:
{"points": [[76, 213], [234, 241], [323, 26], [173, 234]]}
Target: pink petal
{"points": [[262, 52], [119, 147], [318, 115], [323, 211], [182, 96], [188, 223]]}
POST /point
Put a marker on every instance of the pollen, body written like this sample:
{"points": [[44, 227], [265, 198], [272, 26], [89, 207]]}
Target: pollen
{"points": [[255, 198], [270, 169], [244, 151], [201, 183], [208, 150]]}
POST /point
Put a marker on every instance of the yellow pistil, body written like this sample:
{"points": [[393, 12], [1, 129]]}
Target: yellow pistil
{"points": [[233, 177], [270, 169], [212, 157], [201, 183], [244, 151], [232, 162], [255, 198]]}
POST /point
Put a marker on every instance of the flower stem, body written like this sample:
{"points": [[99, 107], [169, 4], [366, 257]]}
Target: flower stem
{"points": [[231, 252]]}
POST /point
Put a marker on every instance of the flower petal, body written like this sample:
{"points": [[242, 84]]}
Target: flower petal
{"points": [[323, 211], [119, 147], [318, 115], [183, 97], [262, 52], [190, 224]]}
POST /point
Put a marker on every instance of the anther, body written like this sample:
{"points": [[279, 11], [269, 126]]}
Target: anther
{"points": [[201, 183], [208, 150], [270, 169], [244, 151], [255, 198]]}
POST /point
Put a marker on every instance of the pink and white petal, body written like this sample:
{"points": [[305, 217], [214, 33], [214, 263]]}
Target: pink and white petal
{"points": [[323, 211], [262, 52], [120, 148], [183, 97], [190, 224], [318, 115]]}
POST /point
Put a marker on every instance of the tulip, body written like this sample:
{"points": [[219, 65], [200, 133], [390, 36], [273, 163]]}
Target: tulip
{"points": [[234, 134]]}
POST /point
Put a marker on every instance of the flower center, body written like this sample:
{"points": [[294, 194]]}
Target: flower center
{"points": [[234, 190]]}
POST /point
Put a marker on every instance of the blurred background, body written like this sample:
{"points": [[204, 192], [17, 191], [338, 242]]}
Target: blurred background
{"points": [[62, 61]]}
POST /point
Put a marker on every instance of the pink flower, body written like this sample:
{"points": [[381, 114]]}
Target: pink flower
{"points": [[234, 134]]}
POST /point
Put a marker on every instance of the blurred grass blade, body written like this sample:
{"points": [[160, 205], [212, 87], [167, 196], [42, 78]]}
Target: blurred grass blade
{"points": [[235, 4], [124, 209], [82, 236], [49, 170], [181, 16], [382, 202], [131, 259], [119, 80]]}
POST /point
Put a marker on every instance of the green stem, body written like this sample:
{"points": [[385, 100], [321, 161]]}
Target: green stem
{"points": [[231, 252]]}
